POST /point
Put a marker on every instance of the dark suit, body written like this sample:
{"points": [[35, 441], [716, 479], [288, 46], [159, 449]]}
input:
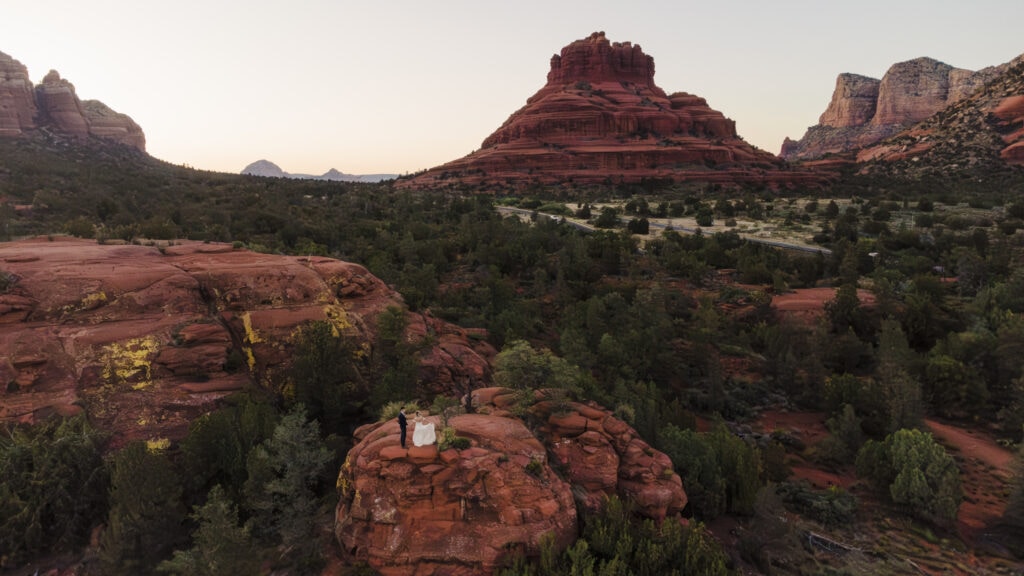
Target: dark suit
{"points": [[402, 423]]}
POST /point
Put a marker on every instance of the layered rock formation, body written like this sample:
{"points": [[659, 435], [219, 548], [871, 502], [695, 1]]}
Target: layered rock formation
{"points": [[601, 119], [17, 98], [54, 105], [466, 511], [147, 339], [983, 131], [864, 110]]}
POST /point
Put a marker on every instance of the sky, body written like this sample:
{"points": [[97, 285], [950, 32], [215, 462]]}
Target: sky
{"points": [[399, 86]]}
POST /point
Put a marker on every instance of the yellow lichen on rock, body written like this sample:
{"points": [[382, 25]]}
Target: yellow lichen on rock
{"points": [[130, 360], [93, 301], [158, 444], [251, 335], [338, 318]]}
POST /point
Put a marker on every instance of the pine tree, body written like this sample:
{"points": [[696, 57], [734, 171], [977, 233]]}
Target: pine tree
{"points": [[283, 475], [145, 520], [220, 546]]}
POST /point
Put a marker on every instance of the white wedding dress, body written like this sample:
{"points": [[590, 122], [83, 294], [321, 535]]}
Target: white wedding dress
{"points": [[423, 434]]}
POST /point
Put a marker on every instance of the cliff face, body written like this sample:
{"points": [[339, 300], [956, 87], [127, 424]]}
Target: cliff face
{"points": [[466, 511], [864, 110], [54, 105], [600, 118], [148, 339], [982, 131]]}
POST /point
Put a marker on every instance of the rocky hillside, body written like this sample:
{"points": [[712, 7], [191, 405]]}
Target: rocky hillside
{"points": [[462, 511], [146, 338], [981, 133], [865, 110], [600, 118], [54, 106]]}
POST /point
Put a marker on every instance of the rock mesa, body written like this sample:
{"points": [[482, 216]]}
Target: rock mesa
{"points": [[600, 118]]}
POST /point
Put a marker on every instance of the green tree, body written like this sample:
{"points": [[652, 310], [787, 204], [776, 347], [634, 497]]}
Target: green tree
{"points": [[522, 367], [218, 445], [327, 378], [54, 487], [219, 544], [284, 473], [145, 520], [916, 472]]}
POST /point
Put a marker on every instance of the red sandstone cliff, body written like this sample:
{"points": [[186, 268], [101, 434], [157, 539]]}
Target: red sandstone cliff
{"points": [[142, 337], [864, 110], [461, 512], [600, 118], [55, 105]]}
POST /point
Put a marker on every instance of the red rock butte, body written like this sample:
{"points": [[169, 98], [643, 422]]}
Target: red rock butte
{"points": [[601, 119]]}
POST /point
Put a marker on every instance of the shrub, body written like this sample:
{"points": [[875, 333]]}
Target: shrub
{"points": [[916, 472], [54, 487]]}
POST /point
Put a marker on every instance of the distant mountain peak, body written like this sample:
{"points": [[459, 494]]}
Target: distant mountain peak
{"points": [[268, 169]]}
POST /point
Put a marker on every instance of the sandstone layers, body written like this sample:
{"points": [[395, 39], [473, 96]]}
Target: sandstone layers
{"points": [[147, 339], [54, 105], [600, 118], [466, 511], [865, 110]]}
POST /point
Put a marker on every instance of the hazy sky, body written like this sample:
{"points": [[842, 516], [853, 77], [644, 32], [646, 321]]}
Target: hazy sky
{"points": [[398, 86]]}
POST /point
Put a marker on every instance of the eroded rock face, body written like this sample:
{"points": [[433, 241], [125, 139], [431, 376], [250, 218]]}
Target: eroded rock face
{"points": [[17, 98], [147, 339], [600, 118], [417, 511], [853, 101], [864, 110], [53, 104]]}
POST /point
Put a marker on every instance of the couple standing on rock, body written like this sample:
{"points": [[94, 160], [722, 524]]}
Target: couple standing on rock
{"points": [[424, 432]]}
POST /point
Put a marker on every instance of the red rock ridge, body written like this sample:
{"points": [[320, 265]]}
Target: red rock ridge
{"points": [[864, 110], [601, 119], [418, 511], [55, 105], [144, 338]]}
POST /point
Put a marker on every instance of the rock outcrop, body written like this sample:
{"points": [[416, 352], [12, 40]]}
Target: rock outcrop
{"points": [[980, 132], [54, 105], [146, 339], [466, 511], [864, 110], [600, 118], [17, 98]]}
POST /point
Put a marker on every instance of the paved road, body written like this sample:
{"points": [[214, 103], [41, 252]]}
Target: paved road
{"points": [[684, 229]]}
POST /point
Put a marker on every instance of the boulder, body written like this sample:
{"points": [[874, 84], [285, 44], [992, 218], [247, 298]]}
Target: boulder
{"points": [[417, 511], [462, 512]]}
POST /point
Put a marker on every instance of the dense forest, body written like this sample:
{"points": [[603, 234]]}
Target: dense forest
{"points": [[673, 331]]}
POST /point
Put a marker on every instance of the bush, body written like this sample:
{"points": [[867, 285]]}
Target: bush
{"points": [[54, 487], [916, 472]]}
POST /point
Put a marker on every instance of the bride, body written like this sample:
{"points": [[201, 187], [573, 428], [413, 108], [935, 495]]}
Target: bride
{"points": [[424, 432]]}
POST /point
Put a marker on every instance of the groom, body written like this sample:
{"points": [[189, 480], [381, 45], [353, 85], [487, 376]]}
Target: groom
{"points": [[402, 423]]}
